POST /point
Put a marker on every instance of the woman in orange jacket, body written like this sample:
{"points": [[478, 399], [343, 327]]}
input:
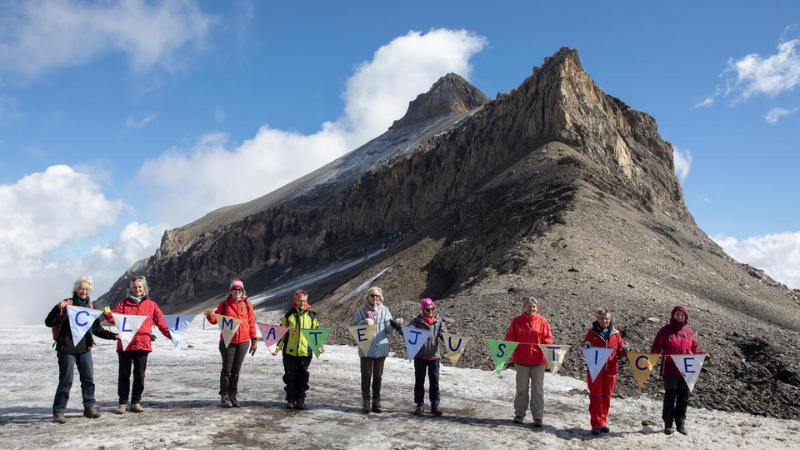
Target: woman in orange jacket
{"points": [[237, 306], [529, 329]]}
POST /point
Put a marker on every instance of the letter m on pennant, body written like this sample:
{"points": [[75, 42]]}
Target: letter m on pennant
{"points": [[227, 323]]}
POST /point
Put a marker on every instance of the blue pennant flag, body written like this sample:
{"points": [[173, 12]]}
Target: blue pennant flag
{"points": [[415, 339], [80, 321], [178, 325]]}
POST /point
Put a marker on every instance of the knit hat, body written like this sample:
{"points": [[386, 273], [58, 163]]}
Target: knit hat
{"points": [[236, 283], [299, 293], [425, 302]]}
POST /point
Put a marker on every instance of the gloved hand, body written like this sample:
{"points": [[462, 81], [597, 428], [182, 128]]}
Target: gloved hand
{"points": [[208, 312], [395, 325], [253, 346], [626, 349], [370, 322], [152, 337], [106, 310], [587, 345]]}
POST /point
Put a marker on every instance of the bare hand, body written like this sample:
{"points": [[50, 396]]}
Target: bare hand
{"points": [[63, 304], [116, 337], [275, 353], [322, 350]]}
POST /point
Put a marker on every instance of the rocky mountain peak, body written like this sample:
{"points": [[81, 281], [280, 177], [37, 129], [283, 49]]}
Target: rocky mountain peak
{"points": [[451, 94]]}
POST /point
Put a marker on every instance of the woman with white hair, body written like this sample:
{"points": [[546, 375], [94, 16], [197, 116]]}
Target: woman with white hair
{"points": [[136, 304], [375, 313], [71, 353]]}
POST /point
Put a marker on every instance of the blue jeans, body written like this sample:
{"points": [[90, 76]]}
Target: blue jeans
{"points": [[421, 366], [66, 373]]}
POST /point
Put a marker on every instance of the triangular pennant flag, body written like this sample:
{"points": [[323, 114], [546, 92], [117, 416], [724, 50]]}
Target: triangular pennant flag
{"points": [[454, 346], [642, 364], [315, 338], [596, 358], [271, 335], [178, 324], [501, 351], [80, 321], [689, 366], [228, 326], [127, 327], [415, 339], [554, 355], [363, 335]]}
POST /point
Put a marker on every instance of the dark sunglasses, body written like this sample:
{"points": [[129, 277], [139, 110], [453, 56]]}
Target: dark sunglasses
{"points": [[375, 295], [430, 308]]}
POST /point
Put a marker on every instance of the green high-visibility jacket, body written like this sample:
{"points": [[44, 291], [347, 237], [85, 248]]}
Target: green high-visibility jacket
{"points": [[293, 343]]}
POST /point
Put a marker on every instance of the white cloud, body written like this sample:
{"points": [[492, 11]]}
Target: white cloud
{"points": [[216, 173], [8, 108], [770, 75], [219, 114], [775, 114], [133, 123], [683, 162], [777, 254], [705, 199], [39, 35], [710, 99]]}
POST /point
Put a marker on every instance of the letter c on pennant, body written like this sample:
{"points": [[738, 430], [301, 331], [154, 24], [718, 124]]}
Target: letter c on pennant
{"points": [[642, 357], [83, 324]]}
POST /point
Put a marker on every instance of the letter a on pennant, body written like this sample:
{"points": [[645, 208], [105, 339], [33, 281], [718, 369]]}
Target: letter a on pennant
{"points": [[689, 366], [642, 364], [415, 339], [501, 351], [554, 355], [271, 335], [454, 346], [596, 358], [315, 338], [363, 334], [227, 326], [127, 327], [81, 321], [178, 326]]}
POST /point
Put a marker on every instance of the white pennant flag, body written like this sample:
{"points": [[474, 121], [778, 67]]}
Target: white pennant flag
{"points": [[178, 324], [554, 355], [127, 327], [689, 366], [81, 321], [596, 358], [228, 326]]}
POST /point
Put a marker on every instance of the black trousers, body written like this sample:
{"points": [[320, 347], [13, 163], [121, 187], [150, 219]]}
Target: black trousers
{"points": [[139, 360], [371, 372], [295, 375], [676, 400], [232, 358]]}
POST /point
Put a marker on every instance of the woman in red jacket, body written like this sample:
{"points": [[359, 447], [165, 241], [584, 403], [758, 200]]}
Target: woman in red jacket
{"points": [[237, 306], [136, 304], [529, 329], [603, 334]]}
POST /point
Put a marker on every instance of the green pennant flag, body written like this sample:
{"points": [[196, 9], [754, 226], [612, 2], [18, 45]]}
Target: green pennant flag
{"points": [[315, 338], [501, 351]]}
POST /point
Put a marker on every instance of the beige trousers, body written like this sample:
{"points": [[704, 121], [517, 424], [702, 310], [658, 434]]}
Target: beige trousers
{"points": [[534, 375]]}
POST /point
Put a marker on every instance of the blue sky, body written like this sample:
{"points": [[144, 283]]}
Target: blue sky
{"points": [[119, 120]]}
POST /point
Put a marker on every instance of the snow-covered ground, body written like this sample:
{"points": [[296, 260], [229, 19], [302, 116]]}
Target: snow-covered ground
{"points": [[181, 407]]}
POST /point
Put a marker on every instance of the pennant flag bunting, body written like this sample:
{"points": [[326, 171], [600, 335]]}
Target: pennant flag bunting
{"points": [[363, 334], [501, 351], [642, 364], [554, 355], [127, 327], [315, 338], [271, 335], [81, 321], [689, 366], [178, 324], [228, 326], [596, 358], [414, 338], [454, 346]]}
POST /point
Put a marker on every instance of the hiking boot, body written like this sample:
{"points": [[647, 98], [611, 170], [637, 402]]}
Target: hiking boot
{"points": [[604, 429], [420, 409], [300, 404], [234, 402], [436, 411], [668, 429], [537, 423], [136, 408], [681, 428], [121, 408], [58, 417], [225, 401], [376, 405], [289, 404], [595, 431], [518, 419], [91, 413]]}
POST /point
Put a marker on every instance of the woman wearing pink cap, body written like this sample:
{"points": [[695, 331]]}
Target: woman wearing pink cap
{"points": [[427, 358], [237, 306]]}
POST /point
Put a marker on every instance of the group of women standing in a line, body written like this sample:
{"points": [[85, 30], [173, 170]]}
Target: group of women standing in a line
{"points": [[528, 329]]}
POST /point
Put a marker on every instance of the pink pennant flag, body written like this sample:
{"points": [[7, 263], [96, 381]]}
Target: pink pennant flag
{"points": [[271, 334]]}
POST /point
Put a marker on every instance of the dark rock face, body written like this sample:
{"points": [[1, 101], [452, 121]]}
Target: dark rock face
{"points": [[554, 189]]}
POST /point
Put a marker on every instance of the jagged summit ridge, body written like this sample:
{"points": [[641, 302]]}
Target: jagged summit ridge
{"points": [[451, 94]]}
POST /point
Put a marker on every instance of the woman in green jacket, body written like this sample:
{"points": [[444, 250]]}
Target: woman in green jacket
{"points": [[296, 354]]}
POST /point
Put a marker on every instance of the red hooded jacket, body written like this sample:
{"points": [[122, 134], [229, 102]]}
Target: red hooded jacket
{"points": [[147, 307], [243, 310], [614, 341], [674, 338], [529, 329]]}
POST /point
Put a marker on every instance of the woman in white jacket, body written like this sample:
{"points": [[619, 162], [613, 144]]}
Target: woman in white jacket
{"points": [[374, 312]]}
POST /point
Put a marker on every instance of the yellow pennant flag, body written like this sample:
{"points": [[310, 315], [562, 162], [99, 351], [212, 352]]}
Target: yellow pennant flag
{"points": [[227, 326], [455, 346], [554, 355], [363, 335], [642, 364]]}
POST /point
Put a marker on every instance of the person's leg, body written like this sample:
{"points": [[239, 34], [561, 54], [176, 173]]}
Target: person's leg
{"points": [[239, 352], [433, 378], [124, 381], [609, 381], [66, 374], [522, 395], [419, 381], [595, 400], [139, 368], [289, 377], [681, 401], [377, 376], [366, 377], [86, 373], [304, 362], [227, 363], [537, 391], [670, 393]]}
